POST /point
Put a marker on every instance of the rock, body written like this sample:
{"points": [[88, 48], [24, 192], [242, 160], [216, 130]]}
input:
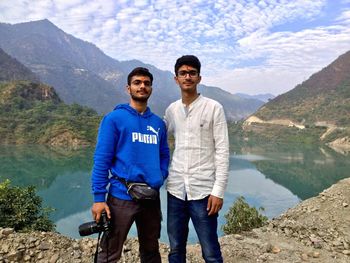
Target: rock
{"points": [[337, 243], [44, 246], [275, 250], [76, 245], [32, 240], [5, 248], [54, 258], [7, 231], [263, 258], [15, 256], [316, 242], [268, 247], [238, 237], [304, 257]]}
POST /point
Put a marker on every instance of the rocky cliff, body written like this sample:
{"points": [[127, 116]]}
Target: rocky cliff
{"points": [[316, 230]]}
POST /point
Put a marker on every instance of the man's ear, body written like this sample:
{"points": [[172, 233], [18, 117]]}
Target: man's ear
{"points": [[127, 89], [176, 79]]}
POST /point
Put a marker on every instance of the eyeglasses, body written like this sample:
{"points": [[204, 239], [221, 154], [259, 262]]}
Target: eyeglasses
{"points": [[191, 73]]}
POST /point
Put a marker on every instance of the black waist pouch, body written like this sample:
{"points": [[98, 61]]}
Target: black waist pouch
{"points": [[141, 191]]}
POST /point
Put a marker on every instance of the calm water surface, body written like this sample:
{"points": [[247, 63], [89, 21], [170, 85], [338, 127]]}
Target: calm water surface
{"points": [[274, 177]]}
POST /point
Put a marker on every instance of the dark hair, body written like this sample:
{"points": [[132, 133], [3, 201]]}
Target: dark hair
{"points": [[139, 71], [189, 60]]}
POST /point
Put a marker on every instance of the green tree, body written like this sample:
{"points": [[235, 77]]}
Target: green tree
{"points": [[241, 217], [21, 209]]}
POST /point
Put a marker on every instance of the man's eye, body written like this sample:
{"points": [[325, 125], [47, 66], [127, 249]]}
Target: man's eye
{"points": [[139, 82]]}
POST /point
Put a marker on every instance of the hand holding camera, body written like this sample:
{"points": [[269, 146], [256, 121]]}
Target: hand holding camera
{"points": [[97, 209], [101, 223]]}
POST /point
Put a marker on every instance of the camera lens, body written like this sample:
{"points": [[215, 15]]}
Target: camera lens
{"points": [[88, 228]]}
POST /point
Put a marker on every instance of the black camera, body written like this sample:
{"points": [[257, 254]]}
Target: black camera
{"points": [[92, 227]]}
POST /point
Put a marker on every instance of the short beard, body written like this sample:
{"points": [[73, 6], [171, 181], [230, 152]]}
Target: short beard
{"points": [[139, 99]]}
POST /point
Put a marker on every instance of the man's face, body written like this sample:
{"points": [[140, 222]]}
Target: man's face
{"points": [[140, 88], [187, 78]]}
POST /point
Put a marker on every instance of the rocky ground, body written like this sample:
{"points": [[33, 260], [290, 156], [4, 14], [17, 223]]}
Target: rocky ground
{"points": [[317, 230]]}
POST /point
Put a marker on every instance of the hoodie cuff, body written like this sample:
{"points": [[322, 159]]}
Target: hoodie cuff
{"points": [[99, 198]]}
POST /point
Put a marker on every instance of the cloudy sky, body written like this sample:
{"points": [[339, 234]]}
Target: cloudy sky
{"points": [[246, 46]]}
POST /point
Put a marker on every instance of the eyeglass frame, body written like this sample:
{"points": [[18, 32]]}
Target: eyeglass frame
{"points": [[190, 73]]}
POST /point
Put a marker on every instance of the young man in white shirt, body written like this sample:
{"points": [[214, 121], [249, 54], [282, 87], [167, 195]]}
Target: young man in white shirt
{"points": [[199, 169]]}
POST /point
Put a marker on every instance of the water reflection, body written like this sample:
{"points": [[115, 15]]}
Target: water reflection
{"points": [[245, 180], [61, 176], [304, 170], [40, 165], [275, 177]]}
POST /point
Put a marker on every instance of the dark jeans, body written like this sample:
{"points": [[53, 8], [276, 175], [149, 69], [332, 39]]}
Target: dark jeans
{"points": [[146, 215], [179, 214]]}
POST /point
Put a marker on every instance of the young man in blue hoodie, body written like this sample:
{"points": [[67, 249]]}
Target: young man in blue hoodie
{"points": [[131, 145]]}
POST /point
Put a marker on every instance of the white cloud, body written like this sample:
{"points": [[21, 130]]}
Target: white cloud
{"points": [[238, 42], [345, 16]]}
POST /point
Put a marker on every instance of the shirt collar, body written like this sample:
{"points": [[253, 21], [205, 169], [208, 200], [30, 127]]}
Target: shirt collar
{"points": [[193, 102]]}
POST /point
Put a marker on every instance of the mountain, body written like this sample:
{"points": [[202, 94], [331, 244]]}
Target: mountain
{"points": [[324, 97], [64, 62], [319, 105], [263, 97], [81, 73], [32, 113], [11, 69], [241, 107]]}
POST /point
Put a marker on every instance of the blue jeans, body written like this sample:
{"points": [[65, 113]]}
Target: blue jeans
{"points": [[178, 215]]}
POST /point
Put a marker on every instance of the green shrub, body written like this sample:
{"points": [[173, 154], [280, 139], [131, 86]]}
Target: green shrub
{"points": [[241, 217], [21, 209]]}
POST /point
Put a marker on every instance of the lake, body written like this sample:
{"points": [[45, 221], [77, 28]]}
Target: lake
{"points": [[275, 177]]}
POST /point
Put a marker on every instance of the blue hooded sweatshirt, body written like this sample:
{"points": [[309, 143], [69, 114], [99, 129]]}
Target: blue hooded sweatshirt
{"points": [[132, 146]]}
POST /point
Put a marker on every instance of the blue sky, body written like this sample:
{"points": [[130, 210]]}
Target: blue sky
{"points": [[245, 46]]}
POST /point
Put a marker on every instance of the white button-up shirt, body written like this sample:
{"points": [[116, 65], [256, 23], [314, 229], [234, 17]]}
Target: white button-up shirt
{"points": [[200, 160]]}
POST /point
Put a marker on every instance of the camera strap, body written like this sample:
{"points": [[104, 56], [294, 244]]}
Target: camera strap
{"points": [[96, 252], [123, 181], [98, 243]]}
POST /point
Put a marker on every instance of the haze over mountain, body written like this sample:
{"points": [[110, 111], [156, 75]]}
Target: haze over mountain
{"points": [[82, 73], [11, 69], [263, 97]]}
